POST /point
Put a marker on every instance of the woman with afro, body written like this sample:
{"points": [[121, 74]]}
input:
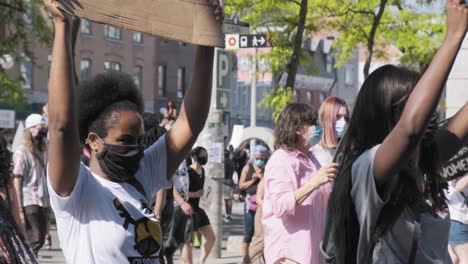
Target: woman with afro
{"points": [[103, 211]]}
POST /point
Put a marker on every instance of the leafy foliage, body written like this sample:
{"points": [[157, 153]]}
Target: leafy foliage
{"points": [[23, 23], [277, 99]]}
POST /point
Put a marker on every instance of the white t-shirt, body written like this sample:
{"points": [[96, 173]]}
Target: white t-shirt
{"points": [[323, 155], [456, 202], [109, 222], [32, 168]]}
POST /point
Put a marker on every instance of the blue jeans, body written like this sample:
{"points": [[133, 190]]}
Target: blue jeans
{"points": [[249, 224]]}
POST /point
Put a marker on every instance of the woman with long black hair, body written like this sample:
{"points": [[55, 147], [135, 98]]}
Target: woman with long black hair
{"points": [[388, 203]]}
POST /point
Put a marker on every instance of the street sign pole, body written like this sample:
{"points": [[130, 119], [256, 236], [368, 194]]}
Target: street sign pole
{"points": [[253, 99]]}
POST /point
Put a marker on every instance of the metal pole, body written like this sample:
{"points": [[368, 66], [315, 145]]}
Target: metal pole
{"points": [[213, 134], [253, 99]]}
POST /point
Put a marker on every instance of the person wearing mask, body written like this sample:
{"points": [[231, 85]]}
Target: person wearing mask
{"points": [[181, 231], [163, 203], [229, 185], [201, 223], [388, 203], [296, 192], [13, 248], [333, 118], [30, 161], [457, 193], [250, 177], [257, 245], [113, 195]]}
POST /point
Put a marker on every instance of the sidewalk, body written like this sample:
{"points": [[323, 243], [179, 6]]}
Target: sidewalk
{"points": [[231, 256]]}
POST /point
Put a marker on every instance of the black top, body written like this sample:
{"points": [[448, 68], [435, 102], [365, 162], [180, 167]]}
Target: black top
{"points": [[196, 182], [229, 169], [252, 190]]}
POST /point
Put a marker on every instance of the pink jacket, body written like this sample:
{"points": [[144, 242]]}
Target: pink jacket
{"points": [[291, 231]]}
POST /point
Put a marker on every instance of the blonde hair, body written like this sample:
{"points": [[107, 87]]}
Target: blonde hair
{"points": [[327, 118]]}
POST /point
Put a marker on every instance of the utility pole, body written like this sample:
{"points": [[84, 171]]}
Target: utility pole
{"points": [[212, 138]]}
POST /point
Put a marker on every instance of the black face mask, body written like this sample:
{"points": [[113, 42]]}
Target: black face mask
{"points": [[41, 135], [120, 162]]}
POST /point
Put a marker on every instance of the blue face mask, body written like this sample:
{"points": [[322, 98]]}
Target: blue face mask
{"points": [[259, 162], [316, 134], [340, 127]]}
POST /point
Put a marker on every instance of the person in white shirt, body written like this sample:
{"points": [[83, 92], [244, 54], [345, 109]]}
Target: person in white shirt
{"points": [[30, 160], [103, 212], [333, 117]]}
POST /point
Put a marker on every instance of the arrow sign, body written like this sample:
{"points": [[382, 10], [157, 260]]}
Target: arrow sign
{"points": [[224, 101], [245, 41]]}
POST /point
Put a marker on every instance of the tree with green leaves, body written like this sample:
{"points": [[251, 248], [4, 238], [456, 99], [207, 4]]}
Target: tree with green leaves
{"points": [[286, 24], [23, 23], [374, 24]]}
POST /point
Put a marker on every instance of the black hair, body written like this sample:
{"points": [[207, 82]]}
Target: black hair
{"points": [[378, 108], [199, 152], [150, 120], [152, 129], [104, 96], [289, 122], [6, 165], [172, 103]]}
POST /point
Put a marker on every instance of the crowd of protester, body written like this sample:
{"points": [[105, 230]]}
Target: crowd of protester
{"points": [[380, 184]]}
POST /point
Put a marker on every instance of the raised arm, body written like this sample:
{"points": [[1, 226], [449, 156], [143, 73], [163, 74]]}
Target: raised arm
{"points": [[402, 141], [64, 146], [195, 107]]}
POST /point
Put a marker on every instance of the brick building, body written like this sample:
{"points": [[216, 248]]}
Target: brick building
{"points": [[160, 68]]}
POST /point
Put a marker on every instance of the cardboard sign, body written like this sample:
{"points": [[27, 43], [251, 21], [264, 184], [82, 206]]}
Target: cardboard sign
{"points": [[190, 21]]}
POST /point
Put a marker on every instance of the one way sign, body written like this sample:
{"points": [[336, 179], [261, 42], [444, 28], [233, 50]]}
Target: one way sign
{"points": [[236, 41]]}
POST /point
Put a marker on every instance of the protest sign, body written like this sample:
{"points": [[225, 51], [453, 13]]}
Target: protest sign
{"points": [[189, 21]]}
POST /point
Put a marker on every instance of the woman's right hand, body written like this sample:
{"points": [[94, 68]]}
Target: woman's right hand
{"points": [[326, 174], [457, 19]]}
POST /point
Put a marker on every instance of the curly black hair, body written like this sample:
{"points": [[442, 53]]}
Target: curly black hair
{"points": [[6, 164], [101, 97]]}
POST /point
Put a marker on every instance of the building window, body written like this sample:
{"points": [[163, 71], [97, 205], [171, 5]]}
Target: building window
{"points": [[27, 72], [329, 63], [137, 37], [85, 69], [112, 66], [180, 82], [112, 32], [86, 27], [162, 80], [138, 76]]}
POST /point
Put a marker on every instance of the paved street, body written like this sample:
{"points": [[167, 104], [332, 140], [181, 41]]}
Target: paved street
{"points": [[234, 229]]}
